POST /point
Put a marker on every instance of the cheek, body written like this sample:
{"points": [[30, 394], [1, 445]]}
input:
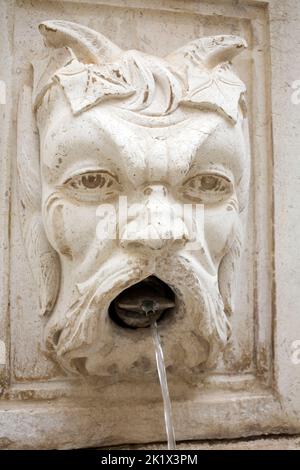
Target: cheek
{"points": [[71, 228], [220, 226]]}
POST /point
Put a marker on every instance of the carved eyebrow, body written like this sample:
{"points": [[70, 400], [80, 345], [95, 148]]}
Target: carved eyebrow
{"points": [[225, 151], [69, 163], [194, 153], [202, 162]]}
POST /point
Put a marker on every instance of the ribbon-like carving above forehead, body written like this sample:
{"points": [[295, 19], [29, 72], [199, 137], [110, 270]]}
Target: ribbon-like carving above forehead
{"points": [[91, 69]]}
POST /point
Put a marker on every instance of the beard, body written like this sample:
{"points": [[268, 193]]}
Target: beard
{"points": [[84, 339]]}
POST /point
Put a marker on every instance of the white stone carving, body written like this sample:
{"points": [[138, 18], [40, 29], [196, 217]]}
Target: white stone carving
{"points": [[160, 131]]}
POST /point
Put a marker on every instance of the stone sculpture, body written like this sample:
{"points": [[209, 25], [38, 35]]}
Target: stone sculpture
{"points": [[103, 127]]}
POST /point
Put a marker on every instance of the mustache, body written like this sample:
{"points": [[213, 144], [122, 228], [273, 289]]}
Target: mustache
{"points": [[87, 318], [72, 338], [201, 291]]}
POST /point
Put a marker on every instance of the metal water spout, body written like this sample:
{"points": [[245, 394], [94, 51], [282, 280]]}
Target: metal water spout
{"points": [[143, 303]]}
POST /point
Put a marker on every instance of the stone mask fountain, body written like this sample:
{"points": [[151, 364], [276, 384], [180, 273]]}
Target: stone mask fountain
{"points": [[124, 146]]}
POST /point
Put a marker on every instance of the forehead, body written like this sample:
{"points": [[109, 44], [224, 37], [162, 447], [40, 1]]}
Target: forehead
{"points": [[128, 141]]}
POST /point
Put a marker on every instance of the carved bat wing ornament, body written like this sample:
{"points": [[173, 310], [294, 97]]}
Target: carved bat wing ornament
{"points": [[90, 69]]}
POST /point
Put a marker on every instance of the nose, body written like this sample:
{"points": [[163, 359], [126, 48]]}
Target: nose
{"points": [[156, 225]]}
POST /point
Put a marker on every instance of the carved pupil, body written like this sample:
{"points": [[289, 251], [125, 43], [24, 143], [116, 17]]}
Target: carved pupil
{"points": [[93, 181], [209, 183]]}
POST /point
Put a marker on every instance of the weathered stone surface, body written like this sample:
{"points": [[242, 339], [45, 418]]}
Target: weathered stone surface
{"points": [[266, 443]]}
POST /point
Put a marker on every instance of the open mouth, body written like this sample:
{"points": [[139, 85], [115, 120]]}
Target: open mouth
{"points": [[142, 304]]}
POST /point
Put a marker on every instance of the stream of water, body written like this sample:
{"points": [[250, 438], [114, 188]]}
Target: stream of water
{"points": [[161, 369]]}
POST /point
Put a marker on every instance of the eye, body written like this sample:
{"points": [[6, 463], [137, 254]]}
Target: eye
{"points": [[208, 188], [92, 186]]}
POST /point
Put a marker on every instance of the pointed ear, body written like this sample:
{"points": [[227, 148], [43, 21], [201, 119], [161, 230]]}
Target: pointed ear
{"points": [[209, 51], [42, 258], [88, 45], [228, 272]]}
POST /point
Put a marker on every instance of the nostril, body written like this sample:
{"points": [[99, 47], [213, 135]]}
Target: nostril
{"points": [[158, 189], [179, 243], [148, 191]]}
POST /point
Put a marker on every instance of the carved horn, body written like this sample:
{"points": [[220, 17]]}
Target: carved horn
{"points": [[87, 44], [211, 50]]}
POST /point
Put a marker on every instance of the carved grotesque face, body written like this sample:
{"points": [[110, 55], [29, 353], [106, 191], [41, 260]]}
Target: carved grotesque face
{"points": [[144, 137]]}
